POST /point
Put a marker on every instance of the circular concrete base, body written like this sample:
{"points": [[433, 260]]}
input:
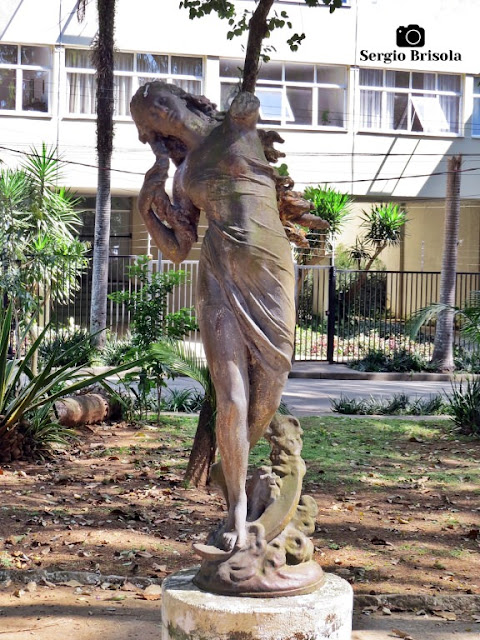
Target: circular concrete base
{"points": [[191, 614]]}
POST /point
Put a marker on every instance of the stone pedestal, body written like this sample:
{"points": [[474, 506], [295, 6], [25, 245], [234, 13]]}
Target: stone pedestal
{"points": [[191, 614]]}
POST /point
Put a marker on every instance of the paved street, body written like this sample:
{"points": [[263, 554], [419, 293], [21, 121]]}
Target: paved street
{"points": [[306, 396], [310, 396]]}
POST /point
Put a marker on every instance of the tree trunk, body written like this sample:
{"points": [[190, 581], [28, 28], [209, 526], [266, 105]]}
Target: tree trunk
{"points": [[257, 31], [74, 411], [444, 333], [103, 55], [204, 446]]}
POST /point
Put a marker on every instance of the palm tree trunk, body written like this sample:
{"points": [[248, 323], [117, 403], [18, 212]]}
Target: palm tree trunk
{"points": [[103, 55], [444, 334]]}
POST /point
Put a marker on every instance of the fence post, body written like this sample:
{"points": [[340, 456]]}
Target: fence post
{"points": [[331, 312]]}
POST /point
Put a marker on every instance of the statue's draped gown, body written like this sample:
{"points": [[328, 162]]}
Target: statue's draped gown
{"points": [[246, 263]]}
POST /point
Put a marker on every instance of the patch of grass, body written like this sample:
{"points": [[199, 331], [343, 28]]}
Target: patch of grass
{"points": [[6, 562], [459, 553], [347, 450]]}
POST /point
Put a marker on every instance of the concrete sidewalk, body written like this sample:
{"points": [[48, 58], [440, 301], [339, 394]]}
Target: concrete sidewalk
{"points": [[337, 371]]}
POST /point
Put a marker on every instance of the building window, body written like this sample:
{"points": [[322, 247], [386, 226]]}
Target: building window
{"points": [[120, 224], [24, 78], [476, 107], [131, 71], [410, 101], [292, 94]]}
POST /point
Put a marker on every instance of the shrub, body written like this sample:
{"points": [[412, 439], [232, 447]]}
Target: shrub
{"points": [[116, 351], [150, 323], [184, 400], [398, 404], [465, 406], [69, 346], [468, 361], [401, 361], [27, 420]]}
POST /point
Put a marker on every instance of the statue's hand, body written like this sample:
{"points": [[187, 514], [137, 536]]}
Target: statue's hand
{"points": [[152, 194]]}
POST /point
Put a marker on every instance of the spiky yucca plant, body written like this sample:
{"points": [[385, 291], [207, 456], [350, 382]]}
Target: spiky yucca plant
{"points": [[23, 394]]}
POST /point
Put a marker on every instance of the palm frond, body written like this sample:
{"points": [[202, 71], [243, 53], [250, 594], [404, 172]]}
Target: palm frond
{"points": [[424, 315], [182, 359]]}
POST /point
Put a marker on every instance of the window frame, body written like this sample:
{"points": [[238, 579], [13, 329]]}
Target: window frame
{"points": [[19, 69], [384, 90], [282, 85], [134, 75], [476, 100], [126, 212]]}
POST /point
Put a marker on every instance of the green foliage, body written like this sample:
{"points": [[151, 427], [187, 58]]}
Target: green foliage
{"points": [[398, 404], [402, 361], [150, 323], [239, 24], [467, 361], [148, 305], [467, 318], [41, 258], [283, 169], [43, 431], [465, 406], [22, 393], [383, 224], [360, 296], [183, 400], [183, 360], [69, 346], [330, 205], [116, 350]]}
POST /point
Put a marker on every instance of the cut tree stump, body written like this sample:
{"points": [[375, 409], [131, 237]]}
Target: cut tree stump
{"points": [[74, 411]]}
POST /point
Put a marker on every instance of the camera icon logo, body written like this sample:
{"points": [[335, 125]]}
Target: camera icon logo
{"points": [[411, 36]]}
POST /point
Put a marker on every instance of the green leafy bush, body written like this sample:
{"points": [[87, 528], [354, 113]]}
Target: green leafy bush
{"points": [[465, 406], [401, 361], [116, 350], [398, 404], [150, 323], [183, 400], [72, 347]]}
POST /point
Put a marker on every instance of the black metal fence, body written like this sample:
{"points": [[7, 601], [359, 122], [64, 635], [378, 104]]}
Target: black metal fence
{"points": [[344, 314], [341, 314]]}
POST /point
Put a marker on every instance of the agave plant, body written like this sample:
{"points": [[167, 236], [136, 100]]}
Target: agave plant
{"points": [[22, 393]]}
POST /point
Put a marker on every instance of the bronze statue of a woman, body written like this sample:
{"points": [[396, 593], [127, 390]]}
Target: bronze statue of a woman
{"points": [[245, 296]]}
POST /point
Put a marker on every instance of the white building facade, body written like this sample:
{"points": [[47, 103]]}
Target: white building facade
{"points": [[376, 98]]}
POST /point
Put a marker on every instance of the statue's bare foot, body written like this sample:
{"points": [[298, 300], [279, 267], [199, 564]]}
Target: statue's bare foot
{"points": [[235, 534]]}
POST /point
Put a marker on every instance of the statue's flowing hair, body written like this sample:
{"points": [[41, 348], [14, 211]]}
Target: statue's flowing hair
{"points": [[201, 106]]}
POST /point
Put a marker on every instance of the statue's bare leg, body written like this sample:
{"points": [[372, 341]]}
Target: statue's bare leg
{"points": [[265, 396], [264, 399], [228, 364]]}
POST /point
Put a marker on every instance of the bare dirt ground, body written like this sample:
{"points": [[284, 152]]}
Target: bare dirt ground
{"points": [[114, 504]]}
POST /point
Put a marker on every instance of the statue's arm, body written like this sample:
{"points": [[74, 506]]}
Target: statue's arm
{"points": [[172, 225]]}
